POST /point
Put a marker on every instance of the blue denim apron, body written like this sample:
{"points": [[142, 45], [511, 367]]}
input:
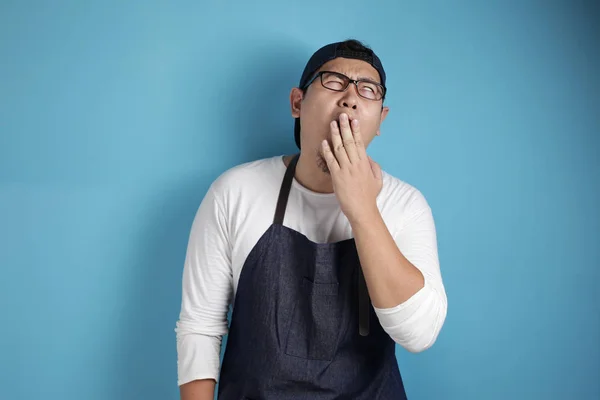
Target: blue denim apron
{"points": [[302, 326]]}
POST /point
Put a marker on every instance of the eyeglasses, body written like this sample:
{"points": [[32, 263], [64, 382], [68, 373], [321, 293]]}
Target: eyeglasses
{"points": [[339, 83]]}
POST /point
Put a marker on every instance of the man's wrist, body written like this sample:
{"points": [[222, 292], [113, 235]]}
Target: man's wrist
{"points": [[368, 216]]}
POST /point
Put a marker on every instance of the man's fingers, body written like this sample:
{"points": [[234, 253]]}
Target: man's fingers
{"points": [[348, 138], [338, 145], [358, 140]]}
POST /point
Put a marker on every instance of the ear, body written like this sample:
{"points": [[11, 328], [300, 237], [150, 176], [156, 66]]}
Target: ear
{"points": [[296, 96], [384, 113]]}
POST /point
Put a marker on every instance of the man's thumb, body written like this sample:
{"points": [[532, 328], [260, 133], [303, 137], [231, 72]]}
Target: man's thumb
{"points": [[375, 168]]}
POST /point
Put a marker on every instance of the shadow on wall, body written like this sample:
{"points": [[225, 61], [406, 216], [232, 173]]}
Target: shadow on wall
{"points": [[262, 125], [258, 124]]}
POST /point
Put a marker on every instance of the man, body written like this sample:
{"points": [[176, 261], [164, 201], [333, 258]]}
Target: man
{"points": [[328, 260]]}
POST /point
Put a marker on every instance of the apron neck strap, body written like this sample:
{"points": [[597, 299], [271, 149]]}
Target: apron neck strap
{"points": [[284, 191]]}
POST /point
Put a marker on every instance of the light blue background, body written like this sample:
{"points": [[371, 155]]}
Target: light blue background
{"points": [[116, 116]]}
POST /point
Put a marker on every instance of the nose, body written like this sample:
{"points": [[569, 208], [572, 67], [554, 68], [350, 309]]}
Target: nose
{"points": [[349, 98]]}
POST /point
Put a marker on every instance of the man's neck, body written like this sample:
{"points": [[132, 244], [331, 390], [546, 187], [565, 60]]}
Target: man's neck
{"points": [[309, 175]]}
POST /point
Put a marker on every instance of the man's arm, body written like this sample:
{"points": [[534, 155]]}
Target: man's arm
{"points": [[411, 305], [408, 296], [203, 389], [207, 287], [391, 278]]}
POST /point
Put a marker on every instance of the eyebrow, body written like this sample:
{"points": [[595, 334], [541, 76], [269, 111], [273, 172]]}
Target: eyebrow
{"points": [[366, 78], [360, 78]]}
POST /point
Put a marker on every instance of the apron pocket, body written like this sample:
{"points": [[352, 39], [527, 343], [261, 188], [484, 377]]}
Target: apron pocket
{"points": [[315, 326]]}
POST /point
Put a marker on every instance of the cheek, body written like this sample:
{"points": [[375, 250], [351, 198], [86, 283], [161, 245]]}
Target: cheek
{"points": [[309, 112], [372, 120], [319, 103], [369, 126]]}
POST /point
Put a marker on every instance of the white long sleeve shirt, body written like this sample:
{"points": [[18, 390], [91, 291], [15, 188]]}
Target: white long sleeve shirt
{"points": [[235, 212]]}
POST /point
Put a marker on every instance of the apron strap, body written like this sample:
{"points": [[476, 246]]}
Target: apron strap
{"points": [[284, 191], [364, 304]]}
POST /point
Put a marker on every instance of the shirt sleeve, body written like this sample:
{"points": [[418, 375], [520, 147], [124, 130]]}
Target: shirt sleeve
{"points": [[206, 293], [415, 324]]}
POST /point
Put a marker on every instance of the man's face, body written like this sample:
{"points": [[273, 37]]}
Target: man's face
{"points": [[318, 106]]}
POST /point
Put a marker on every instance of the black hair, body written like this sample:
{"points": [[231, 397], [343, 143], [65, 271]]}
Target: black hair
{"points": [[355, 46]]}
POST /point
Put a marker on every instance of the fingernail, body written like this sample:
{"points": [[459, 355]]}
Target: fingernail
{"points": [[344, 117]]}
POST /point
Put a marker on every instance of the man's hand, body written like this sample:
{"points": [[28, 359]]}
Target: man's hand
{"points": [[356, 178]]}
